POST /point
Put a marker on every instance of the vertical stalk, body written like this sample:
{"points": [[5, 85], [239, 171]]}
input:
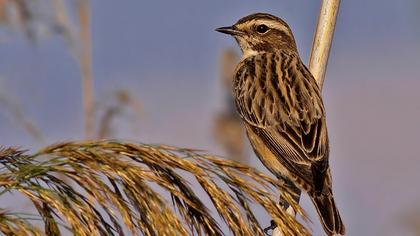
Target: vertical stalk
{"points": [[323, 39], [85, 60], [3, 16]]}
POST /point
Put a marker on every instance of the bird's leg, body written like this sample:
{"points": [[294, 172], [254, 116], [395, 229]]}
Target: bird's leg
{"points": [[295, 191], [272, 226]]}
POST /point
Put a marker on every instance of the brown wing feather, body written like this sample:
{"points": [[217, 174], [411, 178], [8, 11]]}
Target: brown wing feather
{"points": [[278, 97]]}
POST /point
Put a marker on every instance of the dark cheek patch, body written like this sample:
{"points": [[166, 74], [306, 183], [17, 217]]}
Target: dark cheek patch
{"points": [[285, 38], [273, 39]]}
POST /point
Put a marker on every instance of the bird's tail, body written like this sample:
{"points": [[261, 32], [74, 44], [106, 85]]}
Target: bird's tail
{"points": [[328, 212]]}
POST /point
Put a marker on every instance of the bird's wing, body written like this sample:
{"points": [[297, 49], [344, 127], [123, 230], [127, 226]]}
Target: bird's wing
{"points": [[280, 101]]}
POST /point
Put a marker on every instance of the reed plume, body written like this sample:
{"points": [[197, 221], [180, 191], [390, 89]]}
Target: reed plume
{"points": [[119, 188]]}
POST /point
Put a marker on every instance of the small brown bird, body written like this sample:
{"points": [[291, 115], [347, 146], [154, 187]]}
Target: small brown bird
{"points": [[280, 103]]}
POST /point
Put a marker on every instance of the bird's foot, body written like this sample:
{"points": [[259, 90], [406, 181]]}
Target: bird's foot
{"points": [[272, 226]]}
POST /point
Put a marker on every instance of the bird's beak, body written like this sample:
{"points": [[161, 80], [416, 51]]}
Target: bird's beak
{"points": [[231, 30]]}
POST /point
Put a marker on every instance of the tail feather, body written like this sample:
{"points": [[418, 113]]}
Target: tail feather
{"points": [[328, 212]]}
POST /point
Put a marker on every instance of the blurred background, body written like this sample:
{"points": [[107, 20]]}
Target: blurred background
{"points": [[160, 74]]}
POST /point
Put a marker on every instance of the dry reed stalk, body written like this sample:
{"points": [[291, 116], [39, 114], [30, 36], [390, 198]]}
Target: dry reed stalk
{"points": [[85, 61], [3, 11], [17, 115], [63, 24], [113, 106], [323, 39], [105, 126], [228, 129], [118, 188]]}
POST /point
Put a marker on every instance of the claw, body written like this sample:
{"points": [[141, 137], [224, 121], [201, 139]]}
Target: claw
{"points": [[272, 226]]}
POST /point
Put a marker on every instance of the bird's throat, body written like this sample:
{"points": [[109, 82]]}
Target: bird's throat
{"points": [[249, 53]]}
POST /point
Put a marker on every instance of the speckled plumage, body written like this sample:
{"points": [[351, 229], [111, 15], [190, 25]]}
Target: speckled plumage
{"points": [[280, 101], [281, 106]]}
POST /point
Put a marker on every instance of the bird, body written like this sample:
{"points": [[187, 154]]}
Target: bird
{"points": [[280, 103]]}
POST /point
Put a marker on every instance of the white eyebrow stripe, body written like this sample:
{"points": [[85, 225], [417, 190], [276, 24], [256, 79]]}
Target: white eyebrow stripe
{"points": [[270, 23], [274, 25]]}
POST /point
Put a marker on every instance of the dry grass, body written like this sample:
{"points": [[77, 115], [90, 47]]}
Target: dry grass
{"points": [[55, 18], [38, 18], [120, 103], [85, 62], [13, 225], [119, 188], [17, 116], [228, 129]]}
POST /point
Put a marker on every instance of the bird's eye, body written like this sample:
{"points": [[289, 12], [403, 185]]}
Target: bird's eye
{"points": [[262, 29]]}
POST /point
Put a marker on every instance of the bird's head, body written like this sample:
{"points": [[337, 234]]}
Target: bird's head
{"points": [[261, 32]]}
